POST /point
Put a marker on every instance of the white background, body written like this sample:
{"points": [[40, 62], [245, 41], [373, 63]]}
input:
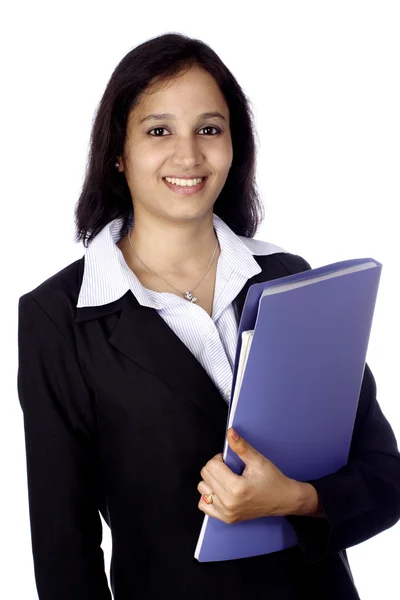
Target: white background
{"points": [[323, 80]]}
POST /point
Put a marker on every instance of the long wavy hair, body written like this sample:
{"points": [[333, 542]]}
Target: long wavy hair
{"points": [[105, 193]]}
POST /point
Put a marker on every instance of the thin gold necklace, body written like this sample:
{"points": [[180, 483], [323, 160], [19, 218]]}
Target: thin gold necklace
{"points": [[187, 295]]}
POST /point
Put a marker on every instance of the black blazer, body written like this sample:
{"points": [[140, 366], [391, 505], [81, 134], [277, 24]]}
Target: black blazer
{"points": [[120, 418]]}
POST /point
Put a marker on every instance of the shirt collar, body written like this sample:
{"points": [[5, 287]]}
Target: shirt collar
{"points": [[107, 277]]}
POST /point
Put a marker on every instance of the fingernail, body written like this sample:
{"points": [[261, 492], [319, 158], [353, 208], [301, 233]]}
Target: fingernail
{"points": [[234, 434]]}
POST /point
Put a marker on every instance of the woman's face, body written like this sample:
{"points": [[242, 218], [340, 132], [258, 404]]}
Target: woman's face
{"points": [[184, 143]]}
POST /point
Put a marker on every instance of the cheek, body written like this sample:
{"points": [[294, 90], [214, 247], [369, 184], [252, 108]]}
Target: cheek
{"points": [[144, 164], [222, 155]]}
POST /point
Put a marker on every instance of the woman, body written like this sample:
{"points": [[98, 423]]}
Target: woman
{"points": [[126, 357]]}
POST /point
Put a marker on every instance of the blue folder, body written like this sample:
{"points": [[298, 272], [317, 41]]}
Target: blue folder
{"points": [[296, 399]]}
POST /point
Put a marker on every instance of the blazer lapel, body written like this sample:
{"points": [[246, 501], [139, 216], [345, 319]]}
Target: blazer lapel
{"points": [[146, 339]]}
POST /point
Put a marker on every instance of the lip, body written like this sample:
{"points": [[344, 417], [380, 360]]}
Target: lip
{"points": [[185, 190]]}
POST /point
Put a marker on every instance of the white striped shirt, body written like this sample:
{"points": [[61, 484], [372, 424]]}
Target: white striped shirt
{"points": [[213, 339]]}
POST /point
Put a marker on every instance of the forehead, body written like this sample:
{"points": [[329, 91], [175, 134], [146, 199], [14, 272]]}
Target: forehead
{"points": [[191, 93]]}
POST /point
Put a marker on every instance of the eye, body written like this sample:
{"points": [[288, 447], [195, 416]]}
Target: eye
{"points": [[157, 129], [164, 129], [209, 127]]}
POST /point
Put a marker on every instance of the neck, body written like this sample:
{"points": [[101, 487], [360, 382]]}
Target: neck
{"points": [[176, 248]]}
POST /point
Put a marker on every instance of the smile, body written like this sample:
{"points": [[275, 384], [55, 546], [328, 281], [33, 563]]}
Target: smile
{"points": [[186, 190]]}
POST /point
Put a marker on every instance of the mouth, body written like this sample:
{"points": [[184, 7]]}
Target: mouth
{"points": [[186, 190]]}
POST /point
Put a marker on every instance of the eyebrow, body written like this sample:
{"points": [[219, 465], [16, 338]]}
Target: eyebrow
{"points": [[169, 116]]}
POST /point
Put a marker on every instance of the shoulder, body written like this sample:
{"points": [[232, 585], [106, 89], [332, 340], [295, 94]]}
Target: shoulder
{"points": [[57, 296], [267, 254]]}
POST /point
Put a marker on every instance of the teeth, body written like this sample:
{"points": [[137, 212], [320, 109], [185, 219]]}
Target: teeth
{"points": [[184, 182]]}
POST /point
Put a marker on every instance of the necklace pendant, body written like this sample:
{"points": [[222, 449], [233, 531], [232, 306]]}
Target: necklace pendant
{"points": [[188, 296]]}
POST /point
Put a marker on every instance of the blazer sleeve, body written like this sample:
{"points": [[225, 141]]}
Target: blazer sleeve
{"points": [[61, 462], [363, 498]]}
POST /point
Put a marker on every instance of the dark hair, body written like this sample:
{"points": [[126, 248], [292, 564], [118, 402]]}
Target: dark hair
{"points": [[105, 193]]}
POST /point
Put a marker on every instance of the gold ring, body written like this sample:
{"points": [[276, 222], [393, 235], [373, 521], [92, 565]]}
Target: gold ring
{"points": [[209, 497]]}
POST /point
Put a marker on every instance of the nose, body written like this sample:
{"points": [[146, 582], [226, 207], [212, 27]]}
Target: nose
{"points": [[187, 152]]}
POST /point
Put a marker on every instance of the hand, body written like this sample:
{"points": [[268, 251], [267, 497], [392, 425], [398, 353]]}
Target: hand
{"points": [[262, 489]]}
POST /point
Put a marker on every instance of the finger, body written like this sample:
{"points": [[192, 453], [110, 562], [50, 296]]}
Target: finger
{"points": [[212, 509], [242, 448], [212, 484], [205, 489], [219, 476], [219, 457], [216, 485]]}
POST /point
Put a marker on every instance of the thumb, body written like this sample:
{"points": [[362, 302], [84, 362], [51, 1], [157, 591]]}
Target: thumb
{"points": [[239, 445]]}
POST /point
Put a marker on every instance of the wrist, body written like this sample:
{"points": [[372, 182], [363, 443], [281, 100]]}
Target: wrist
{"points": [[306, 501]]}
